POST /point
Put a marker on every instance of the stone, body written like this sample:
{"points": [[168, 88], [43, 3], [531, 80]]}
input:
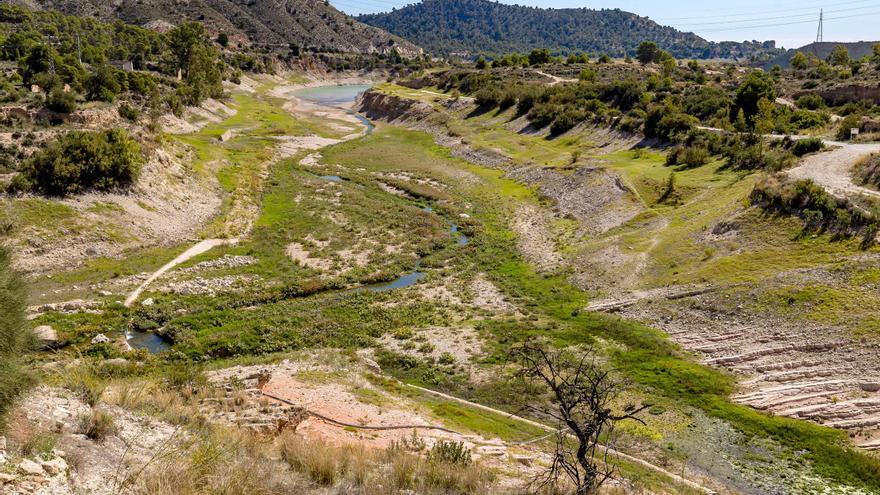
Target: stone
{"points": [[2, 444], [6, 478], [47, 335], [101, 339], [2, 458], [55, 466], [524, 460], [30, 468], [105, 293], [372, 365], [870, 386], [148, 302]]}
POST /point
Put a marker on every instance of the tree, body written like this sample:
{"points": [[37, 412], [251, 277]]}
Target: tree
{"points": [[581, 397], [539, 56], [839, 56], [647, 52], [223, 39], [40, 59], [757, 86], [800, 61], [182, 40], [103, 85], [481, 63]]}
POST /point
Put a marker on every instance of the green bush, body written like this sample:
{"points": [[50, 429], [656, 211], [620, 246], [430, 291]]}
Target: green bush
{"points": [[61, 101], [803, 147], [810, 101], [852, 121], [819, 210], [80, 161], [129, 112], [688, 156], [15, 338]]}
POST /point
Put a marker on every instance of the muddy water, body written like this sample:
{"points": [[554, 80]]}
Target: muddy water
{"points": [[342, 96]]}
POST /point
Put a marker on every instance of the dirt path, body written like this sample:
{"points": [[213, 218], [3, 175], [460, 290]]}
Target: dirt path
{"points": [[555, 79], [830, 169], [199, 248], [833, 169]]}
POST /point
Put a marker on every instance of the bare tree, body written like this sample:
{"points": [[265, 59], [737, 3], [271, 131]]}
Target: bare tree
{"points": [[582, 393]]}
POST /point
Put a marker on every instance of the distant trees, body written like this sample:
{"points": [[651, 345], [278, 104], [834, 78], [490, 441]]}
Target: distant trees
{"points": [[540, 56], [81, 161]]}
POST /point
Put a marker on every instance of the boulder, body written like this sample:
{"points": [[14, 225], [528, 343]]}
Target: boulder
{"points": [[148, 302], [101, 339], [6, 478], [870, 386], [2, 444], [30, 468], [55, 466], [46, 335]]}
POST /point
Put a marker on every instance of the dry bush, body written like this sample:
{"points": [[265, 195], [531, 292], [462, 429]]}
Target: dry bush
{"points": [[97, 425], [374, 473]]}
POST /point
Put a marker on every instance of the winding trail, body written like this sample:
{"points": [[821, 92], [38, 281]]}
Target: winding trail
{"points": [[830, 169], [833, 169], [555, 79], [197, 249]]}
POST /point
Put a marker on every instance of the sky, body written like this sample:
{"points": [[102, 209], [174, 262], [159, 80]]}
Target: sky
{"points": [[792, 23]]}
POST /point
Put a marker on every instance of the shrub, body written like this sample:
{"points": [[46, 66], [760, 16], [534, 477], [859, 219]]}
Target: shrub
{"points": [[810, 102], [61, 101], [688, 156], [867, 170], [129, 112], [818, 209], [803, 147], [97, 425], [103, 84], [852, 121], [81, 161], [450, 453], [15, 338]]}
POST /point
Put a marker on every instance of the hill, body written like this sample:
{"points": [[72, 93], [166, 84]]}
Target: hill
{"points": [[821, 50], [259, 22], [485, 27]]}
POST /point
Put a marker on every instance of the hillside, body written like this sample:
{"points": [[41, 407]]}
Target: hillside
{"points": [[484, 27], [856, 51], [263, 22]]}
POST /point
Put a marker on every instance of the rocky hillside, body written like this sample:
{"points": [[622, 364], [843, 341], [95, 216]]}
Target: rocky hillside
{"points": [[307, 23], [484, 27], [821, 51]]}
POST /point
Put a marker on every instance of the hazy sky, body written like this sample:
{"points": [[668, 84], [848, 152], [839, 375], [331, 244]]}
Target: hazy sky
{"points": [[791, 23]]}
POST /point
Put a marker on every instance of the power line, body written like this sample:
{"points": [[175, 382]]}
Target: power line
{"points": [[821, 21], [811, 15], [778, 24], [740, 13]]}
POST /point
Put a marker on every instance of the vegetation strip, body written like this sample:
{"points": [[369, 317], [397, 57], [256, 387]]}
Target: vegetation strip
{"points": [[544, 427]]}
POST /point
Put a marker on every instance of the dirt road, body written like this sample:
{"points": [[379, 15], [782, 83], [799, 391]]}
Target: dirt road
{"points": [[833, 169]]}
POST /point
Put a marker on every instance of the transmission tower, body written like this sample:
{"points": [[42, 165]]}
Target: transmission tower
{"points": [[819, 33]]}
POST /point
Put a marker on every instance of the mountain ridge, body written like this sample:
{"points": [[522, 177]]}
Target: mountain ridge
{"points": [[305, 23], [482, 27]]}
